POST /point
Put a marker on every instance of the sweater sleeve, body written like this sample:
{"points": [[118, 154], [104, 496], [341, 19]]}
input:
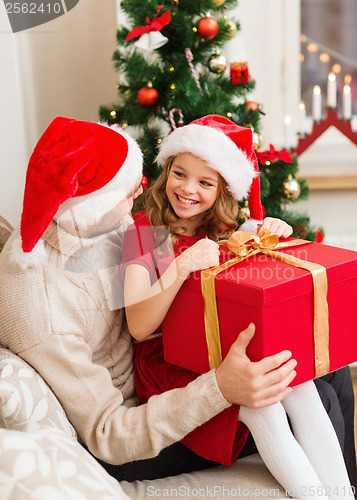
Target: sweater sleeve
{"points": [[111, 431]]}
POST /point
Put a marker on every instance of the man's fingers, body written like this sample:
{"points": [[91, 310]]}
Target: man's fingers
{"points": [[273, 362], [245, 337], [273, 393], [275, 398], [275, 376]]}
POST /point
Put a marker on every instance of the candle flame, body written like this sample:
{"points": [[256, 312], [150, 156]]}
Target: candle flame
{"points": [[317, 90]]}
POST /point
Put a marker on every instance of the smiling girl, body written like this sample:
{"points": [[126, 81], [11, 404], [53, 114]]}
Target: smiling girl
{"points": [[207, 166]]}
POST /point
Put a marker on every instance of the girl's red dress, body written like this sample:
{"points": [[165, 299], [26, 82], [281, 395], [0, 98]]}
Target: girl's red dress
{"points": [[222, 438]]}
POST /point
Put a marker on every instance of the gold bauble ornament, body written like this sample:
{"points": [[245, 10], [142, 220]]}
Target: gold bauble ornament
{"points": [[217, 63], [244, 212], [291, 188], [232, 27], [218, 3], [258, 140]]}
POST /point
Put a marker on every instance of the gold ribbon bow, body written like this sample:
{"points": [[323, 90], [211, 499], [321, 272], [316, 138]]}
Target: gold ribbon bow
{"points": [[244, 245]]}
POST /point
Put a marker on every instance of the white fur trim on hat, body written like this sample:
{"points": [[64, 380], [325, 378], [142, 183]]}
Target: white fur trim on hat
{"points": [[132, 168], [217, 150], [250, 225]]}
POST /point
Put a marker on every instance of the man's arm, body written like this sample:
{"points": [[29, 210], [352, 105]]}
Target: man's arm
{"points": [[117, 434]]}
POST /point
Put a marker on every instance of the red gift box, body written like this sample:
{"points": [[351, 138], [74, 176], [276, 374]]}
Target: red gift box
{"points": [[279, 299], [239, 73]]}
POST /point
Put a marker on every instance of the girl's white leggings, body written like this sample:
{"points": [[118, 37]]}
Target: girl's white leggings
{"points": [[309, 463]]}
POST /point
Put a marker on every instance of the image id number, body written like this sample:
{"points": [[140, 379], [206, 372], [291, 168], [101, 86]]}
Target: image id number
{"points": [[32, 8]]}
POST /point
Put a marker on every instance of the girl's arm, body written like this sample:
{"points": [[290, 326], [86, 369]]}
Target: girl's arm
{"points": [[146, 305]]}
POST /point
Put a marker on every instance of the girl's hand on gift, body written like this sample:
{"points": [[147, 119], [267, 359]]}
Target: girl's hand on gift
{"points": [[251, 384], [203, 254], [277, 226]]}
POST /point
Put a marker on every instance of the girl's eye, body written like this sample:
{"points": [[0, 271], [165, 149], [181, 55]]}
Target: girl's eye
{"points": [[205, 183], [179, 174]]}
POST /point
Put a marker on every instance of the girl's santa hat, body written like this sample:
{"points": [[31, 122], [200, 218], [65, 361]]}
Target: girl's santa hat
{"points": [[76, 163], [228, 149]]}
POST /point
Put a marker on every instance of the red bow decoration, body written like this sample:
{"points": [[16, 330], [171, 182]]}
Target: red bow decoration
{"points": [[156, 24], [272, 154]]}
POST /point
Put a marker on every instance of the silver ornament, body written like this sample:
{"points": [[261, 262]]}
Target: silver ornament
{"points": [[217, 63]]}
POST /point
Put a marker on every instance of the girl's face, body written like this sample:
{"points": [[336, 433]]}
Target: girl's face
{"points": [[191, 187]]}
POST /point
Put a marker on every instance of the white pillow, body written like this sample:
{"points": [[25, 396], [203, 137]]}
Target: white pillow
{"points": [[49, 465], [26, 401]]}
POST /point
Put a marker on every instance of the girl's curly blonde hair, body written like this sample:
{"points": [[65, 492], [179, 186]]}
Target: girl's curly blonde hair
{"points": [[219, 221]]}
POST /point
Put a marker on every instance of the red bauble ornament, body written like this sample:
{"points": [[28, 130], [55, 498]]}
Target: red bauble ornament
{"points": [[147, 96], [207, 27], [252, 105], [144, 182]]}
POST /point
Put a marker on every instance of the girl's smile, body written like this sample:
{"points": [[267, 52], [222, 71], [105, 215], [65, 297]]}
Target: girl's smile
{"points": [[191, 187], [185, 201]]}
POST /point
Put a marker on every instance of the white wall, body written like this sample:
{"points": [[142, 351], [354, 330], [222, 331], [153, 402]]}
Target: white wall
{"points": [[60, 68], [270, 30]]}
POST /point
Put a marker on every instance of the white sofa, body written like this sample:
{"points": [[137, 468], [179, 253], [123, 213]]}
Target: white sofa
{"points": [[41, 458]]}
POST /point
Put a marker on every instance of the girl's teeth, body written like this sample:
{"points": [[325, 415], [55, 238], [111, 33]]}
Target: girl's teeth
{"points": [[185, 201]]}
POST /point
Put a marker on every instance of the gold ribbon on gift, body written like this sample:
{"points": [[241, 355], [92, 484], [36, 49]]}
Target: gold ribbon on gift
{"points": [[245, 244]]}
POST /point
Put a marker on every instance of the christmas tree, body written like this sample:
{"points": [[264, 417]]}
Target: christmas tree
{"points": [[172, 71]]}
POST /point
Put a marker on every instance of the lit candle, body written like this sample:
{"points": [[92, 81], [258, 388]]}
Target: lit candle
{"points": [[302, 118], [316, 104], [347, 102], [288, 133], [331, 91]]}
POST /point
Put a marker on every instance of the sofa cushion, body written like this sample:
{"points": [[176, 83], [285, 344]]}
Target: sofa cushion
{"points": [[26, 401], [5, 231], [247, 478], [49, 465]]}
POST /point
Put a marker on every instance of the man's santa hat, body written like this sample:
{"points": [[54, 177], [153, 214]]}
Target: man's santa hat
{"points": [[76, 163], [228, 149]]}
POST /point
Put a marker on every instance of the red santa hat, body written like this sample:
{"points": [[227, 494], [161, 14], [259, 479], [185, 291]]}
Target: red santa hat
{"points": [[76, 159], [225, 147]]}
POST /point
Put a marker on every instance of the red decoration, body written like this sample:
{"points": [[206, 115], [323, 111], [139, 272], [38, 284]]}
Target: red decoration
{"points": [[144, 182], [207, 27], [148, 96], [156, 24], [331, 120], [319, 236], [273, 154], [252, 105], [239, 73], [268, 288]]}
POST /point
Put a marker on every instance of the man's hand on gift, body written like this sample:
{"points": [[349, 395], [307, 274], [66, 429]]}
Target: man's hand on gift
{"points": [[251, 384], [276, 226]]}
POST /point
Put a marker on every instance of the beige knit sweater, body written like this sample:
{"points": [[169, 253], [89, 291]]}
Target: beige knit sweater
{"points": [[56, 317]]}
